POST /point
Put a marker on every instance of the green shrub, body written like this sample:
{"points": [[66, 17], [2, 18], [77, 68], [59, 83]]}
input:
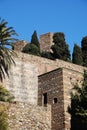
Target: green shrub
{"points": [[3, 118], [5, 95]]}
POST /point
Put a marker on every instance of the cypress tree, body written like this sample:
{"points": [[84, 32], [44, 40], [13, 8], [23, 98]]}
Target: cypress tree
{"points": [[84, 50], [60, 48], [33, 47], [34, 39], [77, 55]]}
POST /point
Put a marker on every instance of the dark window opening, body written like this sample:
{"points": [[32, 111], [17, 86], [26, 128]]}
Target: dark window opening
{"points": [[55, 100], [45, 99]]}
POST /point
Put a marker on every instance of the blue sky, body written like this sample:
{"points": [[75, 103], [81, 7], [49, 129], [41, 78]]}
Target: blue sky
{"points": [[67, 16]]}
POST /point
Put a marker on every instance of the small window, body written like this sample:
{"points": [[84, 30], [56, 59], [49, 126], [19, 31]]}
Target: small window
{"points": [[54, 100], [45, 99]]}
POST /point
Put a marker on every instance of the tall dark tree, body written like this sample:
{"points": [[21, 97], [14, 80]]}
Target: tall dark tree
{"points": [[84, 50], [60, 48], [34, 39], [6, 54], [33, 47], [77, 55], [78, 109]]}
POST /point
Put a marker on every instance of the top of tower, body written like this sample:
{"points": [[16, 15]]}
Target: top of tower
{"points": [[46, 41], [19, 45]]}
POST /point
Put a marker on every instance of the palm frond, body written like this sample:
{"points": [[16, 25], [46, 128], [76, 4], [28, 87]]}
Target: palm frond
{"points": [[6, 55]]}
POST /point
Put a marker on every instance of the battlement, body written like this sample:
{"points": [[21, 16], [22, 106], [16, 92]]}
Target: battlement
{"points": [[46, 41]]}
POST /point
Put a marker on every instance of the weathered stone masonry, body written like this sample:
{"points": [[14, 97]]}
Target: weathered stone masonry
{"points": [[23, 116], [51, 84], [46, 41], [57, 85], [41, 88], [38, 83]]}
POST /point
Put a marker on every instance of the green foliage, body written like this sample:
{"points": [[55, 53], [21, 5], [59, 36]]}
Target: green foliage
{"points": [[3, 121], [5, 95], [78, 109], [60, 48], [6, 54], [3, 118], [31, 49], [77, 55], [47, 55], [84, 50], [34, 39]]}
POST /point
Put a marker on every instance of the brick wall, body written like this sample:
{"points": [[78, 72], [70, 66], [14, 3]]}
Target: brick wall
{"points": [[58, 85], [52, 84]]}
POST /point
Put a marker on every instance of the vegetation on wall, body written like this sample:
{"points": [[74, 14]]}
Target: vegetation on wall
{"points": [[5, 96], [31, 49], [3, 118], [48, 55], [78, 109]]}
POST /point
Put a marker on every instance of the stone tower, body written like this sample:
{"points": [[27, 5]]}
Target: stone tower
{"points": [[46, 41], [18, 46]]}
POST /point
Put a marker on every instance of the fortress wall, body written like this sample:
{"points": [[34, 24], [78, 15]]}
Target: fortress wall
{"points": [[23, 78], [24, 116], [45, 65], [23, 81]]}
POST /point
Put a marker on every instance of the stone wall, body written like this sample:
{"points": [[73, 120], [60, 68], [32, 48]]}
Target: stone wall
{"points": [[70, 78], [45, 65], [46, 41], [57, 85], [24, 116], [23, 81], [18, 46]]}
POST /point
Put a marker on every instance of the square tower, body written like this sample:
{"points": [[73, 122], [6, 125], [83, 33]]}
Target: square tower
{"points": [[46, 41]]}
